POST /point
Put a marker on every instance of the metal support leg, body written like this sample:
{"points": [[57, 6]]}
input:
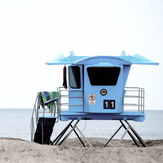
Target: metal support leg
{"points": [[42, 128], [83, 136], [137, 135], [130, 134], [123, 136], [58, 138], [113, 136], [132, 137], [73, 129]]}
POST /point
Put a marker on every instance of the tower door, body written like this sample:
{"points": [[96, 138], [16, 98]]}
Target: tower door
{"points": [[103, 89], [75, 81]]}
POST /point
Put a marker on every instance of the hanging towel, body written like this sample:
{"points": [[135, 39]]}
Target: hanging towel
{"points": [[64, 77], [50, 96]]}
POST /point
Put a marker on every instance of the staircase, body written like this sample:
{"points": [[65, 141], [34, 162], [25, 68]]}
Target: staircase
{"points": [[44, 130], [43, 120]]}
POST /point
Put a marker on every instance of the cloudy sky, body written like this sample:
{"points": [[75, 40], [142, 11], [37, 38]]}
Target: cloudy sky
{"points": [[33, 32]]}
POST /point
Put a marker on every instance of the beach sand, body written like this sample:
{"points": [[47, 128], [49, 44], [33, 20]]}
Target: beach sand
{"points": [[72, 151]]}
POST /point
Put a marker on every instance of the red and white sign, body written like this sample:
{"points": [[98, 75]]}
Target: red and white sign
{"points": [[92, 99]]}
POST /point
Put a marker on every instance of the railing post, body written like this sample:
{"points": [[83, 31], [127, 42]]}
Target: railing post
{"points": [[139, 94]]}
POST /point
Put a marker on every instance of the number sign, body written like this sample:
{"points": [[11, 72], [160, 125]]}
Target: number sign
{"points": [[109, 104]]}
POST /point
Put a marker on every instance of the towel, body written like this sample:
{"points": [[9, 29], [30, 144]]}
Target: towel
{"points": [[46, 96]]}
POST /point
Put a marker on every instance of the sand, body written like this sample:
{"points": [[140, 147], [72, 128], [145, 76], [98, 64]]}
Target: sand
{"points": [[19, 151]]}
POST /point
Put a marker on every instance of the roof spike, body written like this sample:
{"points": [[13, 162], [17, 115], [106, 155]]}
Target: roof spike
{"points": [[72, 53], [123, 53]]}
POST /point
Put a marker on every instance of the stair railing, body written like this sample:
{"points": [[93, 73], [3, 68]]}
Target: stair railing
{"points": [[134, 97], [40, 109], [34, 118]]}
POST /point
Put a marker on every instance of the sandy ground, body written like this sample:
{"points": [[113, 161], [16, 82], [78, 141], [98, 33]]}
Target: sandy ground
{"points": [[19, 151]]}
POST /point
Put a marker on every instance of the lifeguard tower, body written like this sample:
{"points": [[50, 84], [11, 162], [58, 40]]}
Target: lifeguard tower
{"points": [[94, 89]]}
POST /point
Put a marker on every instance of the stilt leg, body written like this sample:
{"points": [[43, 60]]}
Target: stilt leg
{"points": [[69, 132], [137, 135], [78, 136], [83, 136], [58, 138], [123, 136], [133, 138], [112, 136], [132, 135]]}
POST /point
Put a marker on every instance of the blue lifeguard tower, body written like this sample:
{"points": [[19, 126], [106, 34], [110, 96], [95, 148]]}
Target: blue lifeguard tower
{"points": [[94, 89]]}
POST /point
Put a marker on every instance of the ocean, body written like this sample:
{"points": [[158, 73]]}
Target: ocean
{"points": [[15, 123]]}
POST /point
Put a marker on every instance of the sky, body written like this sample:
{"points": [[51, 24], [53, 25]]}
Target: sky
{"points": [[33, 32]]}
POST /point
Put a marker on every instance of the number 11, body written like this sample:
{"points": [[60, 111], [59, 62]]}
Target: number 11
{"points": [[109, 104]]}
